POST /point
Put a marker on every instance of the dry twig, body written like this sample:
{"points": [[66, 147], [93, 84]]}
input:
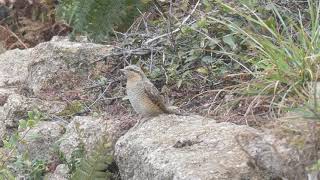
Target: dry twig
{"points": [[14, 35]]}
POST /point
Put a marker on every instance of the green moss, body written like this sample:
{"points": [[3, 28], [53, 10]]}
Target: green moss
{"points": [[72, 108], [298, 142]]}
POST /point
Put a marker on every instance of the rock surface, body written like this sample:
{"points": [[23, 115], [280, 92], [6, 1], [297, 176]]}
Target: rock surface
{"points": [[180, 147], [54, 63], [17, 106], [39, 141], [14, 67], [83, 132], [173, 147], [52, 78], [61, 173], [286, 149], [36, 78], [88, 131]]}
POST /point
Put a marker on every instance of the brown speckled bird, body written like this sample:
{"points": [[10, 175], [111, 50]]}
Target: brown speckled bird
{"points": [[144, 97]]}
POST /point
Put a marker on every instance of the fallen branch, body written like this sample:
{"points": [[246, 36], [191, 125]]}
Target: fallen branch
{"points": [[13, 34]]}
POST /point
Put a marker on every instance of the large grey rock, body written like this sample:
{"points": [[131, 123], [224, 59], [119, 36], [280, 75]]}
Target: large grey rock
{"points": [[5, 93], [173, 147], [181, 147], [60, 173], [39, 141], [88, 131], [17, 106], [45, 78], [286, 149], [14, 67], [83, 131], [57, 62], [2, 133], [117, 126], [44, 70]]}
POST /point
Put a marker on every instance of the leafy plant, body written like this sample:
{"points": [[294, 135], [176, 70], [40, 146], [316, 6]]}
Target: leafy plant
{"points": [[95, 165], [285, 51], [9, 155], [6, 174], [315, 166], [98, 18], [76, 157]]}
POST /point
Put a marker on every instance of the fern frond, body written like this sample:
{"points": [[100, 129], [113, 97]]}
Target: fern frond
{"points": [[94, 166], [97, 18]]}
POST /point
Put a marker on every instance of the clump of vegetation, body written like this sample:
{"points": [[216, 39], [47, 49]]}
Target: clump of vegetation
{"points": [[98, 18], [96, 165], [315, 168], [11, 161], [284, 52], [72, 109]]}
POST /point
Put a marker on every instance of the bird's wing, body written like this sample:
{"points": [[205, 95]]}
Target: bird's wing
{"points": [[154, 95]]}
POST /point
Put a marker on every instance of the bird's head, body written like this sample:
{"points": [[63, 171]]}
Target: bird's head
{"points": [[133, 72]]}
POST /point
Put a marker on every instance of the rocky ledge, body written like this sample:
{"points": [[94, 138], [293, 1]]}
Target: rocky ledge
{"points": [[197, 148]]}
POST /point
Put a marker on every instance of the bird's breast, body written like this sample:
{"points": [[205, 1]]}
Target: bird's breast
{"points": [[140, 101]]}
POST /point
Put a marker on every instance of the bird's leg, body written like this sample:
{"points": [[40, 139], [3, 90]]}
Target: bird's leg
{"points": [[140, 121], [143, 120]]}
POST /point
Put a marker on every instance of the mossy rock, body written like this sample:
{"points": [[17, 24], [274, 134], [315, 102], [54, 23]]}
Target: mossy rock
{"points": [[72, 108]]}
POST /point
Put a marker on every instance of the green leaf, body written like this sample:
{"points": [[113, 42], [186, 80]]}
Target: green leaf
{"points": [[228, 39], [316, 166], [31, 114], [202, 70], [202, 23], [13, 141], [6, 144], [186, 30], [271, 22], [249, 3], [207, 59], [31, 123], [22, 124]]}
